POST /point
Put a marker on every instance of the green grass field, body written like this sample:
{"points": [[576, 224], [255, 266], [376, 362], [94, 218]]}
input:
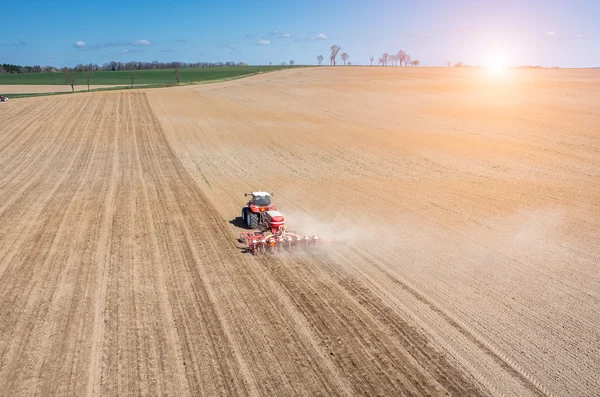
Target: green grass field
{"points": [[144, 77]]}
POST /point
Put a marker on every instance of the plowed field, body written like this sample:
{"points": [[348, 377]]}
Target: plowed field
{"points": [[468, 206]]}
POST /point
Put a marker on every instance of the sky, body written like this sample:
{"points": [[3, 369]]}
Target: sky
{"points": [[527, 32]]}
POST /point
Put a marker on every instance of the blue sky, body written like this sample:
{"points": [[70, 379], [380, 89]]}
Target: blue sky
{"points": [[534, 32]]}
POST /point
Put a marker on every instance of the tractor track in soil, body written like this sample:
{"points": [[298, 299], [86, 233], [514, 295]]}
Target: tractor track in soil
{"points": [[474, 275]]}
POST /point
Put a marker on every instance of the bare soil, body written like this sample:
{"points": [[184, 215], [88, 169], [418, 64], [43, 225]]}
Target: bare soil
{"points": [[467, 204]]}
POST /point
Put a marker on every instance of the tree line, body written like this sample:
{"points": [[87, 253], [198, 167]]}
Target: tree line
{"points": [[401, 58], [7, 68], [398, 59], [115, 66]]}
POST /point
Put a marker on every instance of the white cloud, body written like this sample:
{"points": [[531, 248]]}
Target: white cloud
{"points": [[80, 44], [130, 51], [142, 42], [280, 34], [320, 36], [550, 33], [263, 42]]}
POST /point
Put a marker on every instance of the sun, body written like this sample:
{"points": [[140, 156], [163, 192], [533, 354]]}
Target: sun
{"points": [[497, 64], [498, 67]]}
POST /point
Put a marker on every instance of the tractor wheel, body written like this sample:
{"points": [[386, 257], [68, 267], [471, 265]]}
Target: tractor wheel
{"points": [[244, 214], [252, 220]]}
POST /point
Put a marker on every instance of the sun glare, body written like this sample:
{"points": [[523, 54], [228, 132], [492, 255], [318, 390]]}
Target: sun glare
{"points": [[498, 67], [497, 64]]}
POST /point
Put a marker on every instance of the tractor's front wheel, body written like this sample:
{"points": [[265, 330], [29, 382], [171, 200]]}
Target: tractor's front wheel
{"points": [[252, 220]]}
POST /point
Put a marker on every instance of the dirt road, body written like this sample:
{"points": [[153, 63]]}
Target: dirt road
{"points": [[468, 202], [7, 89]]}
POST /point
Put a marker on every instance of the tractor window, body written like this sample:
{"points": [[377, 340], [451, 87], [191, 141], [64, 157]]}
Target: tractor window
{"points": [[262, 201]]}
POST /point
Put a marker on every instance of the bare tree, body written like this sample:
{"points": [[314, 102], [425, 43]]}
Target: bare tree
{"points": [[416, 62], [283, 63], [458, 65], [401, 55], [132, 77], [381, 61], [406, 60], [393, 58], [292, 62], [177, 74], [345, 57], [371, 59], [320, 59], [334, 51], [70, 78], [90, 70], [449, 63], [386, 58]]}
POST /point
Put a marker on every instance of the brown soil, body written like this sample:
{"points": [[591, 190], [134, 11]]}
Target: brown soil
{"points": [[468, 204]]}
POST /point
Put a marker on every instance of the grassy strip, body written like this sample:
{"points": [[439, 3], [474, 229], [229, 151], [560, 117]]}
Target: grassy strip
{"points": [[128, 87], [157, 76]]}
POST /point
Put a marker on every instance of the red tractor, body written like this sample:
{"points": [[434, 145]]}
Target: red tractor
{"points": [[272, 235], [253, 214], [3, 98]]}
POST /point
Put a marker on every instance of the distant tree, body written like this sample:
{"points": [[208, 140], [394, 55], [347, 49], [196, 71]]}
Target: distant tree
{"points": [[416, 62], [270, 63], [133, 76], [292, 62], [90, 70], [349, 63], [320, 59], [345, 57], [449, 63], [381, 61], [371, 59], [401, 56], [70, 77], [393, 58], [334, 51], [406, 60], [177, 74], [386, 58], [458, 65], [283, 63]]}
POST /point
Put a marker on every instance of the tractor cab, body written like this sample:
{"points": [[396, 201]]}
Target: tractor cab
{"points": [[261, 201]]}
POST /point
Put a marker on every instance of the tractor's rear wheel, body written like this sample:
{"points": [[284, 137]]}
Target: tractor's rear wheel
{"points": [[244, 214], [252, 220]]}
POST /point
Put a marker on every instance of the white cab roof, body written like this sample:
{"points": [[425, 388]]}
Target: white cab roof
{"points": [[274, 213], [260, 194]]}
